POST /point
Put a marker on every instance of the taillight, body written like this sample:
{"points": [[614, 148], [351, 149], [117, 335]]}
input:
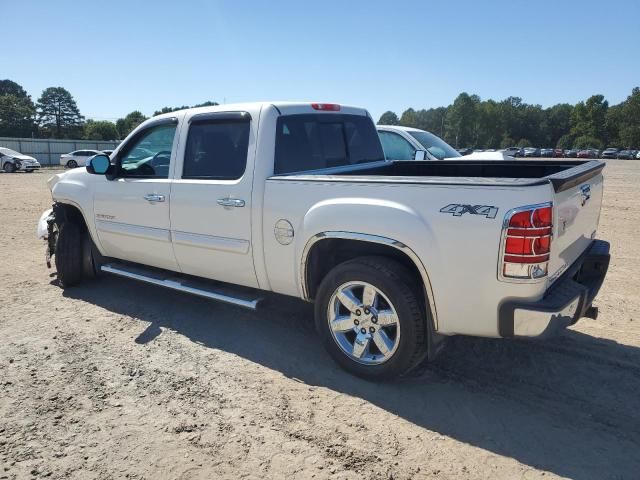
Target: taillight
{"points": [[526, 244], [328, 107]]}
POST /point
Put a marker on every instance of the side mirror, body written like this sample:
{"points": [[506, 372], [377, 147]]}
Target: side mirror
{"points": [[420, 155], [98, 164]]}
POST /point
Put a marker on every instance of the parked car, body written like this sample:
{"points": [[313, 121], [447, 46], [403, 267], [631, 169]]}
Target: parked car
{"points": [[558, 153], [513, 151], [464, 151], [405, 143], [587, 153], [626, 155], [638, 155], [531, 152], [12, 161], [546, 152], [107, 152], [299, 199], [77, 158], [571, 153], [609, 153]]}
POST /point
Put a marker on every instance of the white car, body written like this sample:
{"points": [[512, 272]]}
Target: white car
{"points": [[298, 199], [406, 143], [12, 161], [77, 158]]}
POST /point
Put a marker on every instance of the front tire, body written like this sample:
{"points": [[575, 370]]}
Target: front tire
{"points": [[9, 167], [68, 253], [371, 319], [72, 164]]}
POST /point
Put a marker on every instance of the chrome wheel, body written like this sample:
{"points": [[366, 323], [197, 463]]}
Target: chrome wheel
{"points": [[364, 323]]}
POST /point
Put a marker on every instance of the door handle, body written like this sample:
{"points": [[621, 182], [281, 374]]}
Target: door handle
{"points": [[154, 197], [231, 202]]}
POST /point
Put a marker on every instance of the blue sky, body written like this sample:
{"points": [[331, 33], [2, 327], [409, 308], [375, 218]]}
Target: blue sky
{"points": [[118, 56]]}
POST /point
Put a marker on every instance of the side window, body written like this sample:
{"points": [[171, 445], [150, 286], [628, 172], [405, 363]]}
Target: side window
{"points": [[395, 147], [216, 149], [148, 154]]}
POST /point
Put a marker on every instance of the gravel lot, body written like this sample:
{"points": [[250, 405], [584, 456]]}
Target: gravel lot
{"points": [[117, 379]]}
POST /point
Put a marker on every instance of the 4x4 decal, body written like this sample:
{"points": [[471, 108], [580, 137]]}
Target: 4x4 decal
{"points": [[458, 210]]}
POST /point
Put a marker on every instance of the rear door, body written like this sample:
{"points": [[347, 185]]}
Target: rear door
{"points": [[577, 213], [211, 197]]}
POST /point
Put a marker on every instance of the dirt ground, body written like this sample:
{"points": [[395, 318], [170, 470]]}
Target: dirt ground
{"points": [[118, 379]]}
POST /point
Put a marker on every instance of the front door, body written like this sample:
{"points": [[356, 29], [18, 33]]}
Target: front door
{"points": [[211, 198], [132, 211]]}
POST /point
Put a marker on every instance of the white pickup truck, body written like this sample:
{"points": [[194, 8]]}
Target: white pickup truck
{"points": [[298, 199]]}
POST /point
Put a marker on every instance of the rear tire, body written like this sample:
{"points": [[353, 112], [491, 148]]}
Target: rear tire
{"points": [[397, 291], [72, 164], [68, 253]]}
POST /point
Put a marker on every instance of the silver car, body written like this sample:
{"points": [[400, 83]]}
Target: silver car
{"points": [[12, 161]]}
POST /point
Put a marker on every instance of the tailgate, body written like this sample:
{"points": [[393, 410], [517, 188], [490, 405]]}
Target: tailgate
{"points": [[577, 202]]}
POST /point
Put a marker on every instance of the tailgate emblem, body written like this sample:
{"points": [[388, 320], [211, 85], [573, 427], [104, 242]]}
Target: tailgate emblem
{"points": [[585, 193]]}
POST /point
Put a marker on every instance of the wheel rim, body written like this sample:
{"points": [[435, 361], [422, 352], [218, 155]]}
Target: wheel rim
{"points": [[72, 164], [363, 323]]}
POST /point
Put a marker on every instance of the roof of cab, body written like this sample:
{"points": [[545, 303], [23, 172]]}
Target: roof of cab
{"points": [[288, 108]]}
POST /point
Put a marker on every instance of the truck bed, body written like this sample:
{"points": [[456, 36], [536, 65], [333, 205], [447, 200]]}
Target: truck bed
{"points": [[563, 174]]}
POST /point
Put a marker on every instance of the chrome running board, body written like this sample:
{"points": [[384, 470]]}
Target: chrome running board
{"points": [[198, 287]]}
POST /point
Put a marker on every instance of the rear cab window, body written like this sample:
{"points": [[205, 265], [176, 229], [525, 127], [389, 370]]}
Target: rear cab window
{"points": [[307, 142]]}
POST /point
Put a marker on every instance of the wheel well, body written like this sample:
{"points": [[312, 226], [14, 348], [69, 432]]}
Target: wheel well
{"points": [[69, 213], [328, 253]]}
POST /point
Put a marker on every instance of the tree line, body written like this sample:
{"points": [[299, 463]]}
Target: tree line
{"points": [[472, 122], [56, 115], [467, 122]]}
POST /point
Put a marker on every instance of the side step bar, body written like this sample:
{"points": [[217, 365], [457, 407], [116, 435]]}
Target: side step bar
{"points": [[194, 287]]}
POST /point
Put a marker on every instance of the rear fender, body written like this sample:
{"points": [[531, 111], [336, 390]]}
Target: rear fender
{"points": [[395, 225]]}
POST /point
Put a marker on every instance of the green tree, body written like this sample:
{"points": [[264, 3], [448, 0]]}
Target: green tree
{"points": [[16, 111], [9, 87], [389, 118], [587, 141], [523, 142], [58, 113], [461, 120], [409, 118], [100, 130], [588, 119], [630, 125], [565, 141], [506, 141], [556, 123], [208, 103], [126, 125], [169, 110]]}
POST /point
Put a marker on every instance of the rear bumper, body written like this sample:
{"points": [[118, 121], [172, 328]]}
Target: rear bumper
{"points": [[569, 299]]}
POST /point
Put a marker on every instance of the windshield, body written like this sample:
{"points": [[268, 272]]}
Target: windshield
{"points": [[8, 151], [435, 145]]}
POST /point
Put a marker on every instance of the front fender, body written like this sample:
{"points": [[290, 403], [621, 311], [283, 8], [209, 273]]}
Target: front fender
{"points": [[75, 188]]}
